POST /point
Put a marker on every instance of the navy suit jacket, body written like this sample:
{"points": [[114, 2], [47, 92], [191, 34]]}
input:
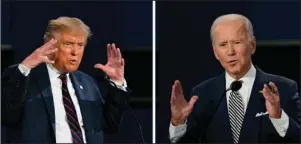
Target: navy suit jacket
{"points": [[28, 108], [209, 120]]}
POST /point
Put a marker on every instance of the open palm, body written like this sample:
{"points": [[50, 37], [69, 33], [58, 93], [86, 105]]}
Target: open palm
{"points": [[115, 65]]}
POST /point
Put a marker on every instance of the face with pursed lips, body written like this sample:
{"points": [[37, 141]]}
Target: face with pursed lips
{"points": [[70, 51], [233, 47]]}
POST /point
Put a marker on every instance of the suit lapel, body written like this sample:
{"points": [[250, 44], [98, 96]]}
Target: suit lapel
{"points": [[219, 126], [83, 104], [44, 86], [251, 126], [222, 112]]}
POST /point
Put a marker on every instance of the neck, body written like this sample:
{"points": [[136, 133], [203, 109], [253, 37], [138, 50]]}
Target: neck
{"points": [[244, 71]]}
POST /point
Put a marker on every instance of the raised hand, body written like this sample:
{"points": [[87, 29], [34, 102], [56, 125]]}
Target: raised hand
{"points": [[180, 108], [40, 55], [272, 100], [115, 65]]}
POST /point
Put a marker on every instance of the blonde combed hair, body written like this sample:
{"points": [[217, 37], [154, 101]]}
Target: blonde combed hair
{"points": [[66, 24]]}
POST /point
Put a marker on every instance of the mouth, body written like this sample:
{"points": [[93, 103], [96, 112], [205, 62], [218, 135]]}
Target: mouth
{"points": [[233, 62], [73, 62]]}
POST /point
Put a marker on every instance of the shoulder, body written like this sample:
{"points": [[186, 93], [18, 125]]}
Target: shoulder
{"points": [[84, 77], [280, 79], [209, 83], [282, 82]]}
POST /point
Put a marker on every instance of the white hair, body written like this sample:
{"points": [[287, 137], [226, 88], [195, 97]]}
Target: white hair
{"points": [[232, 17]]}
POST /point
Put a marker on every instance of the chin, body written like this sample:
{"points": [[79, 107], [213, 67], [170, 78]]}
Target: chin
{"points": [[234, 70], [71, 68]]}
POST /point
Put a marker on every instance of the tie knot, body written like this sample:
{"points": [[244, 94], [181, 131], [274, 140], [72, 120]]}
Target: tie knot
{"points": [[63, 77]]}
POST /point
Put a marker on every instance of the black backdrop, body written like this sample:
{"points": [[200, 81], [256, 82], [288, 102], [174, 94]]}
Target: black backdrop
{"points": [[185, 52], [128, 24]]}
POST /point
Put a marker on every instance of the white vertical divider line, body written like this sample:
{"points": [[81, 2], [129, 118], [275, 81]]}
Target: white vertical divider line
{"points": [[154, 68]]}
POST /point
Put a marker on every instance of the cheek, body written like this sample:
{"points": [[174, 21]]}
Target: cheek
{"points": [[244, 54], [80, 54], [63, 55], [222, 55]]}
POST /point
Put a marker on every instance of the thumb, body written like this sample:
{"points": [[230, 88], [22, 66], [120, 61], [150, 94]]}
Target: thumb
{"points": [[99, 66], [193, 100]]}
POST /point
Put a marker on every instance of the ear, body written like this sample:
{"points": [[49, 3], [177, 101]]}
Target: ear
{"points": [[253, 43], [215, 53]]}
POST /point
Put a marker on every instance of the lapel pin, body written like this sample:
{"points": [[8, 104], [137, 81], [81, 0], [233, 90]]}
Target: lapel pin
{"points": [[81, 87]]}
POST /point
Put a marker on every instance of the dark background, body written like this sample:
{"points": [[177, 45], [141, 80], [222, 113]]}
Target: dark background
{"points": [[185, 52], [128, 24]]}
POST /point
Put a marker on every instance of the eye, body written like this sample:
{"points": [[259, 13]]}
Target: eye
{"points": [[81, 45], [68, 44], [236, 42], [222, 44]]}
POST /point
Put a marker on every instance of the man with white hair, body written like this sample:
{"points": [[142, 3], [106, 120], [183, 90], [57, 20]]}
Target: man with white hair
{"points": [[45, 99], [243, 104]]}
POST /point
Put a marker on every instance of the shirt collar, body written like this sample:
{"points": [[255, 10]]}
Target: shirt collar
{"points": [[248, 78], [53, 72]]}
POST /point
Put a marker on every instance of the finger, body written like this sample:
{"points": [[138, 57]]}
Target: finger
{"points": [[177, 87], [118, 55], [114, 51], [99, 66], [122, 62], [173, 90], [49, 45], [45, 45], [266, 95], [172, 100], [109, 51], [47, 60], [274, 87], [176, 92], [267, 88], [180, 88], [193, 100], [50, 51], [269, 91]]}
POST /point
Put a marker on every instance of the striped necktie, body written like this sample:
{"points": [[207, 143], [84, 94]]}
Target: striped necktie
{"points": [[71, 113], [236, 114]]}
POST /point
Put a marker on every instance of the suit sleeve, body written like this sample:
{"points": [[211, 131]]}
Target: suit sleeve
{"points": [[193, 130], [196, 122], [114, 107], [293, 131], [114, 103], [14, 85]]}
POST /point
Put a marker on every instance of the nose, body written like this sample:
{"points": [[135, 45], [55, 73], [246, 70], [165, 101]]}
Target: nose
{"points": [[230, 50], [75, 50]]}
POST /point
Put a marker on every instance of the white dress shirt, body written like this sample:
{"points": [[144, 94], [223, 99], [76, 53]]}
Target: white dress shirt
{"points": [[62, 130], [281, 125]]}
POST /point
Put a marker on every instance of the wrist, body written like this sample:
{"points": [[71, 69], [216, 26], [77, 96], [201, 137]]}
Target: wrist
{"points": [[177, 122], [119, 81], [277, 115], [25, 64]]}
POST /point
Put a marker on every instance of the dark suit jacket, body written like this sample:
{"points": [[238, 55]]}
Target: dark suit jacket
{"points": [[28, 108], [209, 120]]}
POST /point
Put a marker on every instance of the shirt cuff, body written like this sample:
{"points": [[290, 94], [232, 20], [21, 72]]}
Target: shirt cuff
{"points": [[176, 132], [281, 125], [24, 70], [120, 86]]}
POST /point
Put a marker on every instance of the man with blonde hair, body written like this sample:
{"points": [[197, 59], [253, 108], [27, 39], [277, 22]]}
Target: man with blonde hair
{"points": [[243, 104], [45, 99]]}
